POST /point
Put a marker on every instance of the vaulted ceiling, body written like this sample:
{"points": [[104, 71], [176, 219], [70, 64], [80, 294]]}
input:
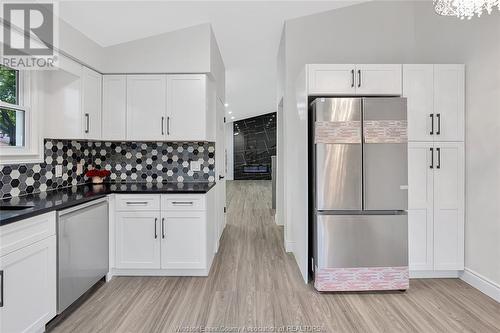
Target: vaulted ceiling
{"points": [[248, 33]]}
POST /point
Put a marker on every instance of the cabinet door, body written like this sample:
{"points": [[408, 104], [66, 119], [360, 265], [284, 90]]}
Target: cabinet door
{"points": [[146, 107], [114, 107], [92, 104], [449, 102], [63, 101], [186, 107], [137, 239], [331, 79], [29, 287], [420, 205], [183, 240], [378, 80], [449, 206], [418, 88]]}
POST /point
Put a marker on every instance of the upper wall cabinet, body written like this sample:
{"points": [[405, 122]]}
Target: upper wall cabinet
{"points": [[435, 102], [114, 107], [350, 79], [146, 107], [73, 98], [189, 113], [158, 107], [92, 104]]}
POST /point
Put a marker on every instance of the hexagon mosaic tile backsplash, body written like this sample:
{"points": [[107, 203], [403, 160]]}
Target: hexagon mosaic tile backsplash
{"points": [[127, 162]]}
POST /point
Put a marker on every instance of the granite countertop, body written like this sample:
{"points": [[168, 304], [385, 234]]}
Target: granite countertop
{"points": [[71, 196]]}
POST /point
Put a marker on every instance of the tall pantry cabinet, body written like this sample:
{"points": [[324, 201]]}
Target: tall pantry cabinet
{"points": [[436, 162]]}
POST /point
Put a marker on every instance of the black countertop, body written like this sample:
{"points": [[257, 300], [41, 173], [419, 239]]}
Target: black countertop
{"points": [[71, 196]]}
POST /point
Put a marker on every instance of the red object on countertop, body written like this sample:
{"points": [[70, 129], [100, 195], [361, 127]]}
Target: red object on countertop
{"points": [[97, 173]]}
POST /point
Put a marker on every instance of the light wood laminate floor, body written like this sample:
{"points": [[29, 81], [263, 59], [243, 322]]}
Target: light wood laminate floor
{"points": [[254, 283]]}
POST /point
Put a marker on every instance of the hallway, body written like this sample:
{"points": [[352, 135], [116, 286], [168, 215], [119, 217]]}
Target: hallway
{"points": [[254, 283]]}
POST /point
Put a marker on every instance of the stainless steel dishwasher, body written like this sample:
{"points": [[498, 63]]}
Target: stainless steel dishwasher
{"points": [[82, 250]]}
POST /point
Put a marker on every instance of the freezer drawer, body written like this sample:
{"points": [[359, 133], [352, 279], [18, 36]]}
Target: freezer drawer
{"points": [[361, 241], [385, 154]]}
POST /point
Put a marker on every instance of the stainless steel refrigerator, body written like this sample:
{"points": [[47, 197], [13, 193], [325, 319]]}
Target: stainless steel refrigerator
{"points": [[360, 193]]}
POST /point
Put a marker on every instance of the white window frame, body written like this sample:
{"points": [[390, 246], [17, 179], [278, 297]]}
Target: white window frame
{"points": [[29, 101]]}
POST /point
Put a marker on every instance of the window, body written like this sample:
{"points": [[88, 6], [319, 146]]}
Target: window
{"points": [[12, 124], [19, 133]]}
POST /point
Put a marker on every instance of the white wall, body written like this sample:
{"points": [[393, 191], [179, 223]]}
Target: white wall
{"points": [[409, 32], [229, 151]]}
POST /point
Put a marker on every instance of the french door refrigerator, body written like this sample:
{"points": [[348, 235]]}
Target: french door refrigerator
{"points": [[360, 197]]}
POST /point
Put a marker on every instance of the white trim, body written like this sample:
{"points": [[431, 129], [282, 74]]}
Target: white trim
{"points": [[159, 272], [481, 283], [434, 274], [289, 246]]}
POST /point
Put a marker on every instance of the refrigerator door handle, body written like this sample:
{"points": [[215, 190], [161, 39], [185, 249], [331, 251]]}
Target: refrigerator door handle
{"points": [[432, 158]]}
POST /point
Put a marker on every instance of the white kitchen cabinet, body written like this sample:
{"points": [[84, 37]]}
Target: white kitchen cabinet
{"points": [[420, 205], [436, 205], [449, 102], [331, 79], [167, 234], [183, 240], [188, 114], [28, 274], [63, 101], [146, 107], [92, 103], [449, 206], [114, 107], [435, 97], [352, 79], [378, 79], [137, 239], [73, 98], [418, 88]]}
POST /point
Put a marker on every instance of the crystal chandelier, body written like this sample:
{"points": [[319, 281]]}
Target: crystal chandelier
{"points": [[464, 8]]}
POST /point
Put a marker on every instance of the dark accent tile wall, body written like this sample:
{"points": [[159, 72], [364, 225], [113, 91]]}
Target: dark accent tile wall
{"points": [[254, 144], [127, 161]]}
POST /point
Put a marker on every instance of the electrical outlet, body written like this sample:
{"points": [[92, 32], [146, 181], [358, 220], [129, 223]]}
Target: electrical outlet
{"points": [[79, 169], [59, 170], [195, 166]]}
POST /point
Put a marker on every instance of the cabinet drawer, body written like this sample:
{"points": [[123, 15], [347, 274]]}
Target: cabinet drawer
{"points": [[126, 202], [23, 233], [183, 202]]}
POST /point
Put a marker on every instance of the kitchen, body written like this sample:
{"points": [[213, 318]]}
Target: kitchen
{"points": [[150, 120]]}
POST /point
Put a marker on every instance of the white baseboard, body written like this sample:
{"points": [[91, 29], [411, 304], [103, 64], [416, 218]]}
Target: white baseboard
{"points": [[434, 274], [483, 284], [288, 246], [109, 276]]}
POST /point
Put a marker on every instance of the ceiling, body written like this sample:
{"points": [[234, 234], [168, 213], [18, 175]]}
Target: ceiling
{"points": [[248, 34]]}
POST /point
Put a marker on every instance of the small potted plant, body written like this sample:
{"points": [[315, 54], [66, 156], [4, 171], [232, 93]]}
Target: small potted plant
{"points": [[97, 176]]}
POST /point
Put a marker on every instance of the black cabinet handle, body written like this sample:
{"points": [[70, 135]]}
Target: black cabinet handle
{"points": [[168, 125], [432, 158], [221, 177], [432, 124], [163, 228], [438, 166], [156, 234], [439, 124], [359, 78], [352, 78], [1, 288], [87, 123], [162, 124]]}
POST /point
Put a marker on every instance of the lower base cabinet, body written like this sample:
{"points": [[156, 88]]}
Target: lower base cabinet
{"points": [[28, 274], [168, 234]]}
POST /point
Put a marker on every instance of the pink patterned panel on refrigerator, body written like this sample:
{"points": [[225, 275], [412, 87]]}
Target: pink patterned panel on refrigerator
{"points": [[385, 131], [340, 132], [362, 279]]}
